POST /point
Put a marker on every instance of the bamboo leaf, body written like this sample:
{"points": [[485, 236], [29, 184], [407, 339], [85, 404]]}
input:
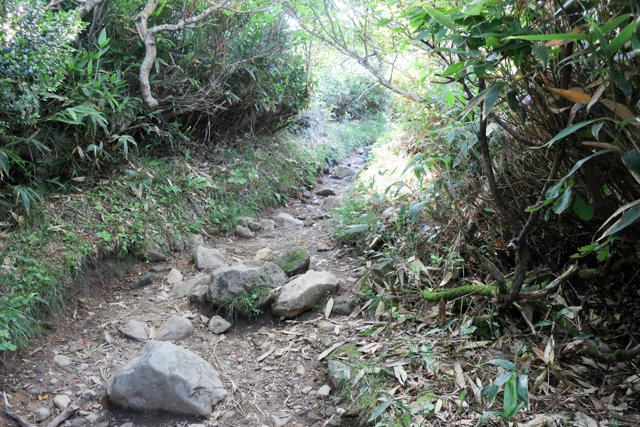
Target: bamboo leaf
{"points": [[441, 18]]}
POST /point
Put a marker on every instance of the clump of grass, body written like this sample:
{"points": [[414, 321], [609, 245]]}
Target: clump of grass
{"points": [[245, 305]]}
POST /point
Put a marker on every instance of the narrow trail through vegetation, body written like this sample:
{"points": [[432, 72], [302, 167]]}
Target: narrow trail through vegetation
{"points": [[270, 367]]}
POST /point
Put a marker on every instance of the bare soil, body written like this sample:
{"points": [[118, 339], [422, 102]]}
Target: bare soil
{"points": [[270, 366]]}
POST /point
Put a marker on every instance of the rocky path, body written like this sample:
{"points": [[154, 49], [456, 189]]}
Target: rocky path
{"points": [[273, 370]]}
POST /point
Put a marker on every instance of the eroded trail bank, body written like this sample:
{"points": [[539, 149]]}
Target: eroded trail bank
{"points": [[269, 366]]}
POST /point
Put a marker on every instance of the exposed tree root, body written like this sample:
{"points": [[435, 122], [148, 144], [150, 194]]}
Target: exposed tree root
{"points": [[462, 291], [620, 355]]}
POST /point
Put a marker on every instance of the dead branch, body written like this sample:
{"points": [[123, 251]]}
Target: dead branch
{"points": [[72, 409], [552, 286], [148, 37]]}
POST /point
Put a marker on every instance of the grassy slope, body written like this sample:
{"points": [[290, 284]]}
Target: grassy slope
{"points": [[148, 202]]}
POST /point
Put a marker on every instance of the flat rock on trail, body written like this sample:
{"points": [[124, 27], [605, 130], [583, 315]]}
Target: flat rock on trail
{"points": [[270, 367]]}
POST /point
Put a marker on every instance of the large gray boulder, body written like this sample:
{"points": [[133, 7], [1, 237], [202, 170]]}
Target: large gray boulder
{"points": [[294, 261], [208, 259], [303, 293], [163, 376], [241, 279]]}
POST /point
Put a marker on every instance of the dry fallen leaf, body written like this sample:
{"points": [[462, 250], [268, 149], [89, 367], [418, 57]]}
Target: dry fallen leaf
{"points": [[328, 308], [265, 354], [572, 95], [400, 374]]}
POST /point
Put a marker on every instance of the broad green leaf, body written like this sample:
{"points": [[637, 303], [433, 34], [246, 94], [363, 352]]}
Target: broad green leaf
{"points": [[475, 102], [490, 392], [356, 228], [613, 23], [568, 131], [563, 203], [453, 68], [622, 83], [547, 37], [510, 402], [542, 53], [102, 38], [474, 8], [583, 209], [632, 214], [414, 210], [379, 410], [492, 96], [619, 41], [451, 100], [488, 414], [631, 160], [441, 18], [554, 191], [595, 130], [522, 388], [510, 366], [383, 21]]}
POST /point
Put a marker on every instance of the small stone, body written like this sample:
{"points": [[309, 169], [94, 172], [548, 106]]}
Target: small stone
{"points": [[135, 330], [338, 373], [78, 422], [61, 401], [268, 224], [176, 328], [218, 325], [308, 221], [88, 394], [194, 241], [244, 232], [343, 171], [82, 367], [323, 247], [330, 202], [42, 414], [196, 425], [145, 280], [158, 268], [287, 220], [62, 361], [127, 425], [265, 254], [92, 418], [306, 390], [323, 392], [300, 371], [174, 277], [325, 192], [326, 326], [254, 225], [307, 194], [53, 381], [313, 417], [238, 251]]}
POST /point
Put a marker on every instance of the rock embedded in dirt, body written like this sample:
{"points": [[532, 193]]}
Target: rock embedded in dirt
{"points": [[195, 286], [323, 247], [135, 330], [194, 241], [62, 361], [254, 225], [178, 243], [144, 281], [243, 278], [308, 221], [330, 202], [154, 253], [42, 414], [92, 418], [307, 194], [303, 293], [244, 232], [360, 150], [218, 325], [294, 261], [265, 254], [287, 220], [176, 328], [163, 376], [338, 373], [61, 401], [323, 391], [158, 268], [326, 192], [344, 307], [268, 224], [208, 259], [343, 171], [174, 277]]}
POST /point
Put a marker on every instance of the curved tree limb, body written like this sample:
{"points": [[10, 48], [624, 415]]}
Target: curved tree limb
{"points": [[148, 37]]}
